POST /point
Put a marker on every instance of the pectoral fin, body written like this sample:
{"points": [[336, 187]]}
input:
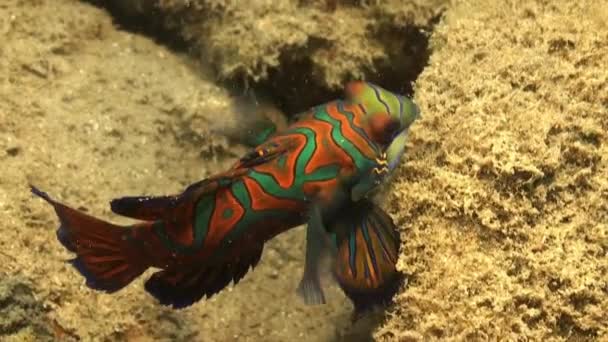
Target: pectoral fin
{"points": [[361, 189], [368, 246], [318, 244], [369, 183]]}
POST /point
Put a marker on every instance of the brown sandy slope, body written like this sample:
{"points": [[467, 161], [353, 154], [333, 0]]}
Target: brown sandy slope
{"points": [[504, 197], [90, 113]]}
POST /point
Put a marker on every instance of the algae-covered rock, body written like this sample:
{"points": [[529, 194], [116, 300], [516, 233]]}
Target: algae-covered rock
{"points": [[503, 199], [248, 41], [21, 314], [287, 46]]}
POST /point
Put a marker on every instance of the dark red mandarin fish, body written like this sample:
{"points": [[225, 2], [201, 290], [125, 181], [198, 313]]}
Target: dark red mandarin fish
{"points": [[316, 171]]}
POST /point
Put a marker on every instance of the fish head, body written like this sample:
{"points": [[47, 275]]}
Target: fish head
{"points": [[400, 111], [389, 117]]}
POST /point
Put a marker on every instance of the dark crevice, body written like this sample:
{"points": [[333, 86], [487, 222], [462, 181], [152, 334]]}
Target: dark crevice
{"points": [[399, 72], [292, 87], [143, 17]]}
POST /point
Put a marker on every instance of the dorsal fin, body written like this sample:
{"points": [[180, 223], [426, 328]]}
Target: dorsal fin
{"points": [[150, 208]]}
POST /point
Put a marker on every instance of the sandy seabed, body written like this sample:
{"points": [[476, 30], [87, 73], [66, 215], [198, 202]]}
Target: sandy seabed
{"points": [[502, 200]]}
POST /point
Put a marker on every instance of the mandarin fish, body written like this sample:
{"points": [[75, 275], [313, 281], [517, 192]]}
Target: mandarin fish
{"points": [[317, 170]]}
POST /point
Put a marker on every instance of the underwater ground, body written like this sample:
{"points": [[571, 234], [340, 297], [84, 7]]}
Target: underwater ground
{"points": [[502, 201]]}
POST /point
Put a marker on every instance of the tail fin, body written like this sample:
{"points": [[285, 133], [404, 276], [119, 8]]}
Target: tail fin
{"points": [[107, 255]]}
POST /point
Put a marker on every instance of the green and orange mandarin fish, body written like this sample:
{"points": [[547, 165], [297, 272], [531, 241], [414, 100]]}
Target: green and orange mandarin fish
{"points": [[319, 170]]}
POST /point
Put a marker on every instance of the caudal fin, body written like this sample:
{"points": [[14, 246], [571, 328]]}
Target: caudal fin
{"points": [[107, 255]]}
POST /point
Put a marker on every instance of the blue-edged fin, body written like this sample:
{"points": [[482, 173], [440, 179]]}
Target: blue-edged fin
{"points": [[368, 248], [180, 288]]}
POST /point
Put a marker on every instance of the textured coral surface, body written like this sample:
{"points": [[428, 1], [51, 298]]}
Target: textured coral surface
{"points": [[502, 200], [291, 45], [504, 197]]}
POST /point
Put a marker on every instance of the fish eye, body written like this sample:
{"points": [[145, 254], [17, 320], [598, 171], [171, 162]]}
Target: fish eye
{"points": [[393, 129], [386, 128]]}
